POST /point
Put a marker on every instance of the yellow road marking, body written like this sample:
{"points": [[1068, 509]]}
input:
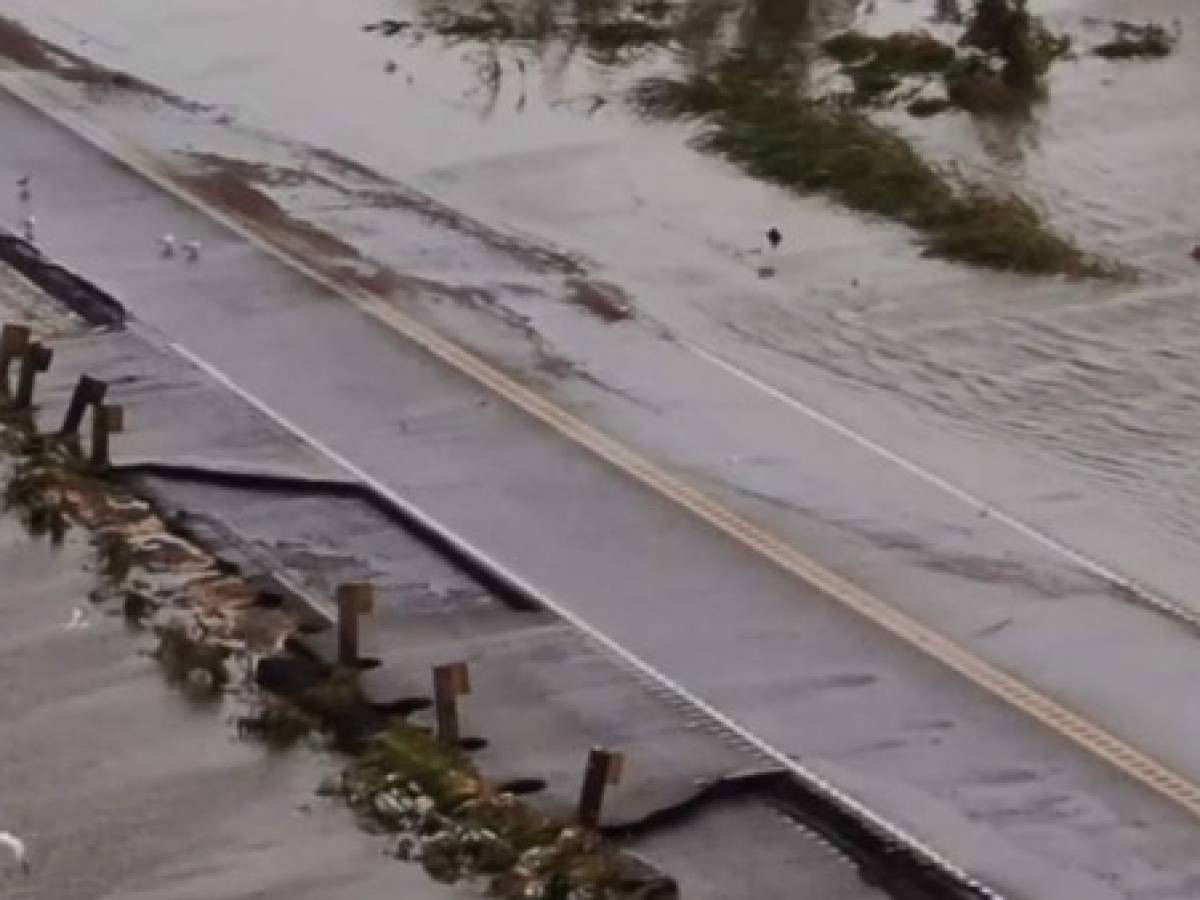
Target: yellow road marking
{"points": [[1041, 707], [1046, 710]]}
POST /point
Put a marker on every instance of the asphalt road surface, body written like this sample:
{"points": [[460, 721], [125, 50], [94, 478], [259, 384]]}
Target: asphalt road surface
{"points": [[1014, 803]]}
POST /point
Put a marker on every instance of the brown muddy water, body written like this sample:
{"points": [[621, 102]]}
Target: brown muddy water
{"points": [[122, 788]]}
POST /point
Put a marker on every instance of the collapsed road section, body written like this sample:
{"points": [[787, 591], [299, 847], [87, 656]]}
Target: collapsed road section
{"points": [[441, 598], [77, 294], [1016, 804]]}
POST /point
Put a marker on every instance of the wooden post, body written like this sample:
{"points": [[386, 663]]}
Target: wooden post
{"points": [[106, 420], [353, 600], [89, 391], [450, 681], [604, 767], [36, 358], [14, 339]]}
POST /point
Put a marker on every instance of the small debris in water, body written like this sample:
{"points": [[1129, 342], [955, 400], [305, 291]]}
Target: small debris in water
{"points": [[137, 606], [924, 107], [1148, 41], [388, 27], [602, 299]]}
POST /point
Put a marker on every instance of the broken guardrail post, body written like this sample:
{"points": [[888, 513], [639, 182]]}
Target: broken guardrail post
{"points": [[89, 391], [14, 339], [604, 767], [450, 681], [36, 358], [353, 600], [106, 421]]}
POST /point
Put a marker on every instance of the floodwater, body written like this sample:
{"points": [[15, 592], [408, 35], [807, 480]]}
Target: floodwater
{"points": [[122, 788], [495, 195], [531, 136]]}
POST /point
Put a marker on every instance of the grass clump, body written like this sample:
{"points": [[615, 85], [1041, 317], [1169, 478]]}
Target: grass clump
{"points": [[903, 51], [277, 722], [924, 107], [36, 491], [763, 126], [1132, 41], [493, 23], [976, 84], [189, 658], [608, 39], [876, 65], [1008, 53], [1026, 48], [114, 555], [407, 753], [457, 826], [850, 46]]}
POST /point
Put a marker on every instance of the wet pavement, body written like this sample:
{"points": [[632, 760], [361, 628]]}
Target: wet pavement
{"points": [[1075, 389], [1068, 406], [82, 694], [1022, 810]]}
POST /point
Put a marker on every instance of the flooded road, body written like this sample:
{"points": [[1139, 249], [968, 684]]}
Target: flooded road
{"points": [[1084, 388], [967, 397], [123, 788], [765, 647]]}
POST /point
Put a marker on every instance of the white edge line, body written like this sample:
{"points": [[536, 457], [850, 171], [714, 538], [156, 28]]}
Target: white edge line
{"points": [[1040, 537], [580, 624], [92, 134], [75, 124]]}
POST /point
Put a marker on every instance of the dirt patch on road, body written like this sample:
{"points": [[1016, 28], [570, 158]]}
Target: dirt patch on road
{"points": [[383, 193], [241, 188], [26, 49], [230, 186]]}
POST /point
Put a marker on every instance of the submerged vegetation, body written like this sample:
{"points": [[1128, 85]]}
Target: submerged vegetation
{"points": [[751, 85], [762, 125], [218, 637], [999, 64], [34, 492], [876, 65], [1005, 30], [440, 809], [608, 39], [1148, 41]]}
